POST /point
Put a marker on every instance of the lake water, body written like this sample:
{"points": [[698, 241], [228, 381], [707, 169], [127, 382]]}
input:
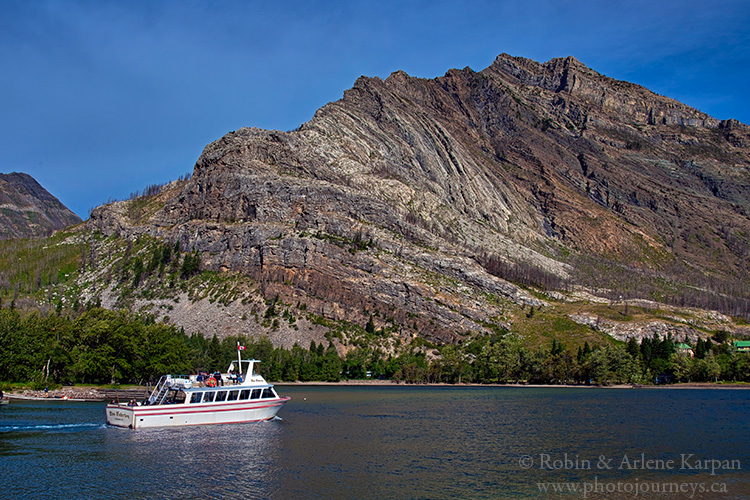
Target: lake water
{"points": [[397, 442]]}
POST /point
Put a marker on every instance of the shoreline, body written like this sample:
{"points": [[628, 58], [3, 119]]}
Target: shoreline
{"points": [[354, 383], [84, 393], [89, 393]]}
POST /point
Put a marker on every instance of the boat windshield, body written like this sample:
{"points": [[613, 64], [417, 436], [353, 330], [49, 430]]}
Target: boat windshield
{"points": [[175, 397]]}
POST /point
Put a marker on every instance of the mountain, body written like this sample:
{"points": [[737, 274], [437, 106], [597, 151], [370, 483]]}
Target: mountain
{"points": [[27, 210], [442, 208]]}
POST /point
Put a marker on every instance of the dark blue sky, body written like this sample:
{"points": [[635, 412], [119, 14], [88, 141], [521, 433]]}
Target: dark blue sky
{"points": [[103, 98]]}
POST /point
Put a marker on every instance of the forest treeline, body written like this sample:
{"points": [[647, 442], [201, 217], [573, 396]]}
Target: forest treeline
{"points": [[115, 347]]}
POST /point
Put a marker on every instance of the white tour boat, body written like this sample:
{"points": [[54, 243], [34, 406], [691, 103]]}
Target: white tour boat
{"points": [[186, 400]]}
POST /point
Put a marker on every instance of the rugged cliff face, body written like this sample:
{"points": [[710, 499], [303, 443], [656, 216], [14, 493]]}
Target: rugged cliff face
{"points": [[399, 198], [28, 210]]}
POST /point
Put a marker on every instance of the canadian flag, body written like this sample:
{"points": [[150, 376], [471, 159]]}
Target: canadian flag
{"points": [[240, 347]]}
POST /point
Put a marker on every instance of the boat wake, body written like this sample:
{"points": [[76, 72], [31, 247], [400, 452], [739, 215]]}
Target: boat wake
{"points": [[51, 427]]}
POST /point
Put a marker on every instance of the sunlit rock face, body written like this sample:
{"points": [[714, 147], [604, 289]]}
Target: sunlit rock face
{"points": [[395, 198]]}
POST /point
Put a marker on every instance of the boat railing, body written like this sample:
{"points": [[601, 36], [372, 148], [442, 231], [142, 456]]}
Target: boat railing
{"points": [[167, 382], [159, 392]]}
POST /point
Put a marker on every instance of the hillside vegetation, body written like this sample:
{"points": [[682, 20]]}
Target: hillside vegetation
{"points": [[106, 347]]}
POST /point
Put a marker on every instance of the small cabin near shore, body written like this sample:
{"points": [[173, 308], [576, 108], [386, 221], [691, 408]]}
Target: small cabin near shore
{"points": [[685, 350]]}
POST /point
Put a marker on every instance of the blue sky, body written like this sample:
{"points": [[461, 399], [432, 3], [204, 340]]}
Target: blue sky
{"points": [[103, 98]]}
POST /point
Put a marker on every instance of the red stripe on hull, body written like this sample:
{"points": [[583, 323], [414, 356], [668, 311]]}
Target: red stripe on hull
{"points": [[198, 408]]}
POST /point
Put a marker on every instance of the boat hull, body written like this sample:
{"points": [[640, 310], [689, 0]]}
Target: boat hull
{"points": [[138, 417]]}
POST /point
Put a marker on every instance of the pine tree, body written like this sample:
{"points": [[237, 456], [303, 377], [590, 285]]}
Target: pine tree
{"points": [[700, 349], [557, 348], [633, 348], [586, 349]]}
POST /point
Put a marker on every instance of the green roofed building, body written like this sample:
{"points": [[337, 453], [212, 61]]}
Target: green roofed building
{"points": [[742, 345], [685, 350]]}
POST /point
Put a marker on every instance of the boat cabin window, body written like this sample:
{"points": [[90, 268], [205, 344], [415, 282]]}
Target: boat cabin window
{"points": [[232, 395], [208, 397], [195, 397], [220, 396], [179, 398], [256, 393], [268, 393], [245, 394]]}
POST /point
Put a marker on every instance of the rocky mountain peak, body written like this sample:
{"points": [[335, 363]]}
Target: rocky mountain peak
{"points": [[29, 210], [603, 95], [415, 197]]}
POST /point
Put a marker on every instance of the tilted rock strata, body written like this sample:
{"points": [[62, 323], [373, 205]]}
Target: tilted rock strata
{"points": [[388, 199]]}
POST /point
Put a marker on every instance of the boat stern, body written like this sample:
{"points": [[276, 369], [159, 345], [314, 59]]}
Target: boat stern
{"points": [[120, 415]]}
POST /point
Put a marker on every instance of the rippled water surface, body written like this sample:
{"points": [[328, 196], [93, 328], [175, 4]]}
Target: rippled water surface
{"points": [[393, 442]]}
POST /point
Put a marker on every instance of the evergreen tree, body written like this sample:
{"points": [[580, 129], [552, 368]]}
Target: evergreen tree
{"points": [[214, 355], [586, 349], [700, 349], [634, 348], [190, 264], [330, 370], [557, 348]]}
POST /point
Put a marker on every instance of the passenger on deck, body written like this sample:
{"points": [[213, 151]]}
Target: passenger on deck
{"points": [[218, 378], [200, 378]]}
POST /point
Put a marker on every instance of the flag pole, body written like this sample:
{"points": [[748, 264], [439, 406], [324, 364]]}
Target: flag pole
{"points": [[239, 357]]}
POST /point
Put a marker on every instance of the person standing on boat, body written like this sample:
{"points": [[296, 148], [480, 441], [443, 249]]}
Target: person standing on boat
{"points": [[219, 380]]}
